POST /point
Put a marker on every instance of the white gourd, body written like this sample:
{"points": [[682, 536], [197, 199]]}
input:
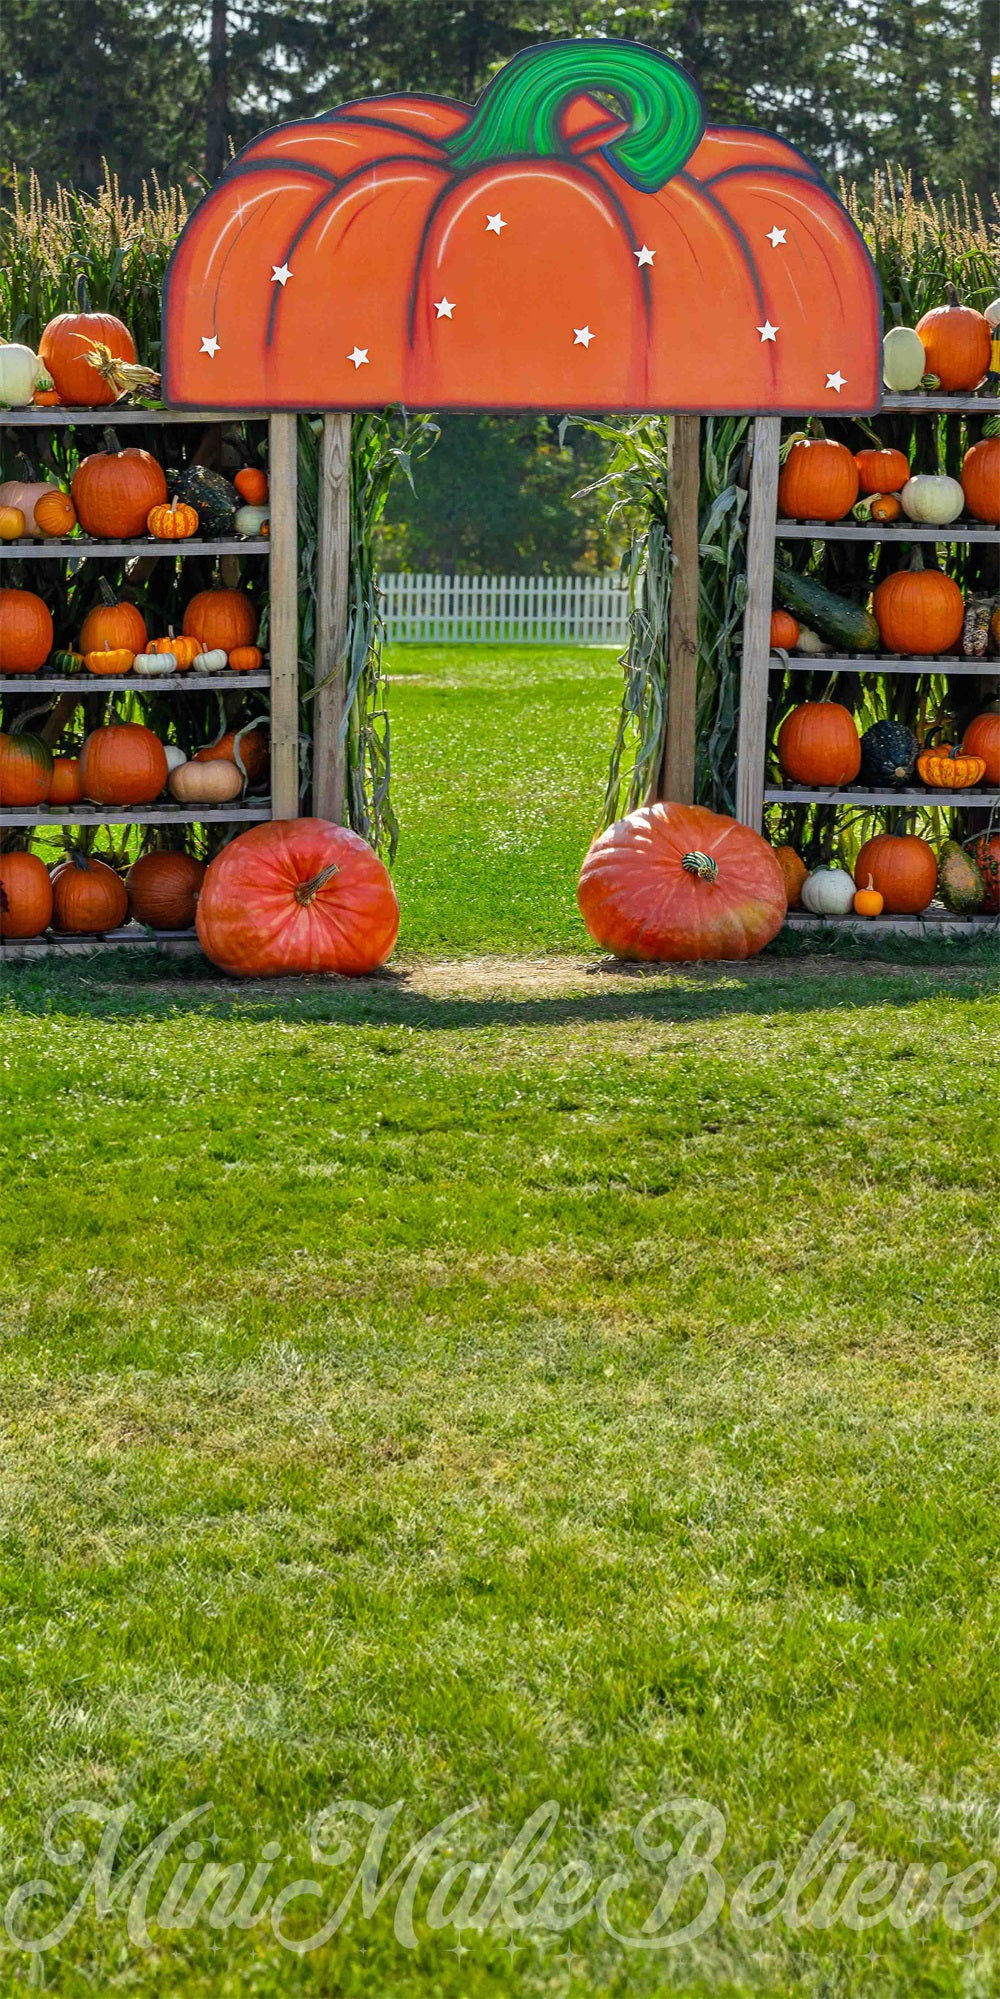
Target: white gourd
{"points": [[904, 362], [210, 662], [252, 520], [19, 369], [154, 662], [828, 892], [932, 499], [175, 756]]}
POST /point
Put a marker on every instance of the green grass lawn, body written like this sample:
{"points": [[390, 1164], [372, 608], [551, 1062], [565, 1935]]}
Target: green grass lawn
{"points": [[500, 1383]]}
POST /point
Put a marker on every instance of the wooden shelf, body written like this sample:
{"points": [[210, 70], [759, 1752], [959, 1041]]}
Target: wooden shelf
{"points": [[146, 683], [133, 815], [112, 415], [67, 944], [867, 662], [86, 549], [937, 923], [777, 794], [959, 404], [863, 531]]}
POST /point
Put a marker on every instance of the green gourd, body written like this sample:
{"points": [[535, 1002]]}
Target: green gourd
{"points": [[960, 884], [216, 500], [834, 618], [888, 753]]}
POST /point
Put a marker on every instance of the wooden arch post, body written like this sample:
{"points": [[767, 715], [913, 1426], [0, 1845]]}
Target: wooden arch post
{"points": [[333, 569], [676, 776]]}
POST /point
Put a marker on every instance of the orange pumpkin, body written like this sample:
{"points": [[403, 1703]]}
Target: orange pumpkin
{"points": [[110, 660], [784, 631], [55, 513], [113, 622], [794, 873], [65, 787], [819, 481], [886, 507], [868, 901], [251, 485], [25, 770], [163, 889], [25, 895], [113, 492], [819, 745], [12, 523], [980, 480], [676, 882], [176, 522], [87, 896], [945, 768], [956, 341], [184, 650], [253, 750], [64, 347], [982, 739], [986, 854], [123, 764], [221, 618], [25, 631], [298, 895], [246, 659], [919, 611], [882, 470], [903, 869]]}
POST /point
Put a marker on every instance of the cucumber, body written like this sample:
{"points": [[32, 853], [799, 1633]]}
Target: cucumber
{"points": [[834, 618]]}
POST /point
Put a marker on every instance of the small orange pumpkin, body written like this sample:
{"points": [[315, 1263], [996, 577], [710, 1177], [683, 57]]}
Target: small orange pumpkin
{"points": [[12, 523], [246, 659], [184, 650], [109, 659], [886, 507], [868, 901], [65, 787], [882, 471], [55, 513], [784, 631], [251, 485], [956, 341], [948, 769], [795, 873], [176, 522]]}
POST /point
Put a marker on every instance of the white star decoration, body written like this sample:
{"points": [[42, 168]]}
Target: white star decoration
{"points": [[768, 332], [444, 307], [582, 336], [280, 275], [359, 356], [644, 256], [210, 345], [775, 236], [837, 381], [495, 223]]}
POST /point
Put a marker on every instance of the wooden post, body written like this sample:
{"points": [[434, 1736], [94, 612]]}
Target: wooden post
{"points": [[284, 626], [751, 749], [333, 568], [677, 771]]}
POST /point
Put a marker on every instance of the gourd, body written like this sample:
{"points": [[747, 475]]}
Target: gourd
{"points": [[246, 659], [122, 764], [945, 768], [113, 491], [25, 895], [960, 884], [981, 480], [154, 663], [982, 739], [818, 744], [881, 470], [205, 783], [66, 344], [883, 507], [25, 631], [956, 342], [834, 618], [25, 494], [986, 854], [175, 756], [114, 621], [163, 889], [55, 513], [67, 661], [304, 895], [18, 375], [919, 611], [784, 631], [25, 770], [210, 662], [676, 882], [932, 499], [109, 659], [904, 363], [184, 651], [223, 618], [174, 522], [794, 872], [819, 480], [828, 892], [888, 753], [253, 520], [903, 868], [251, 484], [867, 901], [87, 896], [64, 786], [12, 523], [213, 498]]}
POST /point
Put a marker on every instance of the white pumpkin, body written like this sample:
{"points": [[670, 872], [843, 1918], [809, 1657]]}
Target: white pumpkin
{"points": [[175, 756], [932, 499], [154, 662], [213, 783], [828, 892], [210, 662], [904, 362], [252, 520], [19, 369]]}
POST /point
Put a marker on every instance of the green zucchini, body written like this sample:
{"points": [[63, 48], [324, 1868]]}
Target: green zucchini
{"points": [[835, 618]]}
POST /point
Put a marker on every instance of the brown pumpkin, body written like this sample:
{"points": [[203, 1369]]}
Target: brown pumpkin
{"points": [[206, 783], [784, 631], [112, 622], [982, 739], [122, 764], [55, 513], [903, 868], [163, 889], [252, 749], [246, 659], [223, 618], [114, 490], [794, 871], [819, 480], [12, 523], [25, 895], [980, 480], [882, 470], [25, 770], [65, 787], [25, 631], [918, 611], [87, 896], [956, 341], [819, 745], [65, 345]]}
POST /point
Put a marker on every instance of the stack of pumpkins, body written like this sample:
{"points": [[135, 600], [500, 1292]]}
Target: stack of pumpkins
{"points": [[124, 765], [899, 874], [819, 747], [218, 634]]}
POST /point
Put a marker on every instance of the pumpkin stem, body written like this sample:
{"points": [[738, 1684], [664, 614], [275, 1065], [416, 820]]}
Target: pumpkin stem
{"points": [[307, 891], [701, 865], [952, 295]]}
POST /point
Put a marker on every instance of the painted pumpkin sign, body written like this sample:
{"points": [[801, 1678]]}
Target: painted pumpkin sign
{"points": [[540, 251]]}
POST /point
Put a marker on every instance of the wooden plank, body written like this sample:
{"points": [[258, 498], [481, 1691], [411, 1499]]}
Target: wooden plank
{"points": [[943, 404], [936, 923], [131, 815], [83, 548], [141, 683], [861, 662], [751, 746], [938, 801], [114, 415], [284, 620], [333, 568], [957, 531], [677, 768]]}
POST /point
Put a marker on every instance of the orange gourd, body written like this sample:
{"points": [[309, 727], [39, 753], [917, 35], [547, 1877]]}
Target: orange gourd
{"points": [[184, 650], [868, 901], [677, 882], [25, 895], [946, 769], [25, 631], [55, 513], [918, 611], [163, 889], [65, 787], [794, 873], [246, 659], [956, 341], [784, 631], [107, 659], [64, 347], [25, 770], [885, 507], [980, 480], [818, 744], [114, 490], [174, 522], [299, 895], [223, 618], [251, 485], [982, 739], [87, 897], [123, 764], [112, 622], [882, 470], [819, 481], [903, 868]]}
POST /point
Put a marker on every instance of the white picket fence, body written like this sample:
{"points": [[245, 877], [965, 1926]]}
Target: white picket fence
{"points": [[511, 610]]}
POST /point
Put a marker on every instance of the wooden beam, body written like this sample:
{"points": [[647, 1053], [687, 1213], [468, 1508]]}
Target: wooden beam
{"points": [[677, 771], [751, 747], [333, 569], [284, 620]]}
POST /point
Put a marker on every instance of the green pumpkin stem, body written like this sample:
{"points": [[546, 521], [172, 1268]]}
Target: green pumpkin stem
{"points": [[701, 865]]}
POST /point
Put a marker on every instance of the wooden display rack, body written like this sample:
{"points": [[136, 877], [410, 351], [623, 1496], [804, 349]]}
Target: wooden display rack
{"points": [[766, 528]]}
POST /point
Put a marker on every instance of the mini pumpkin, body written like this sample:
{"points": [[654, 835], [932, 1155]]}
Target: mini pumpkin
{"points": [[55, 513], [246, 659], [70, 662], [183, 650], [25, 494], [176, 522], [784, 631], [828, 892], [932, 499], [251, 484], [155, 664], [947, 769], [206, 783], [885, 507], [109, 659], [253, 521], [215, 661], [868, 901], [12, 523]]}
